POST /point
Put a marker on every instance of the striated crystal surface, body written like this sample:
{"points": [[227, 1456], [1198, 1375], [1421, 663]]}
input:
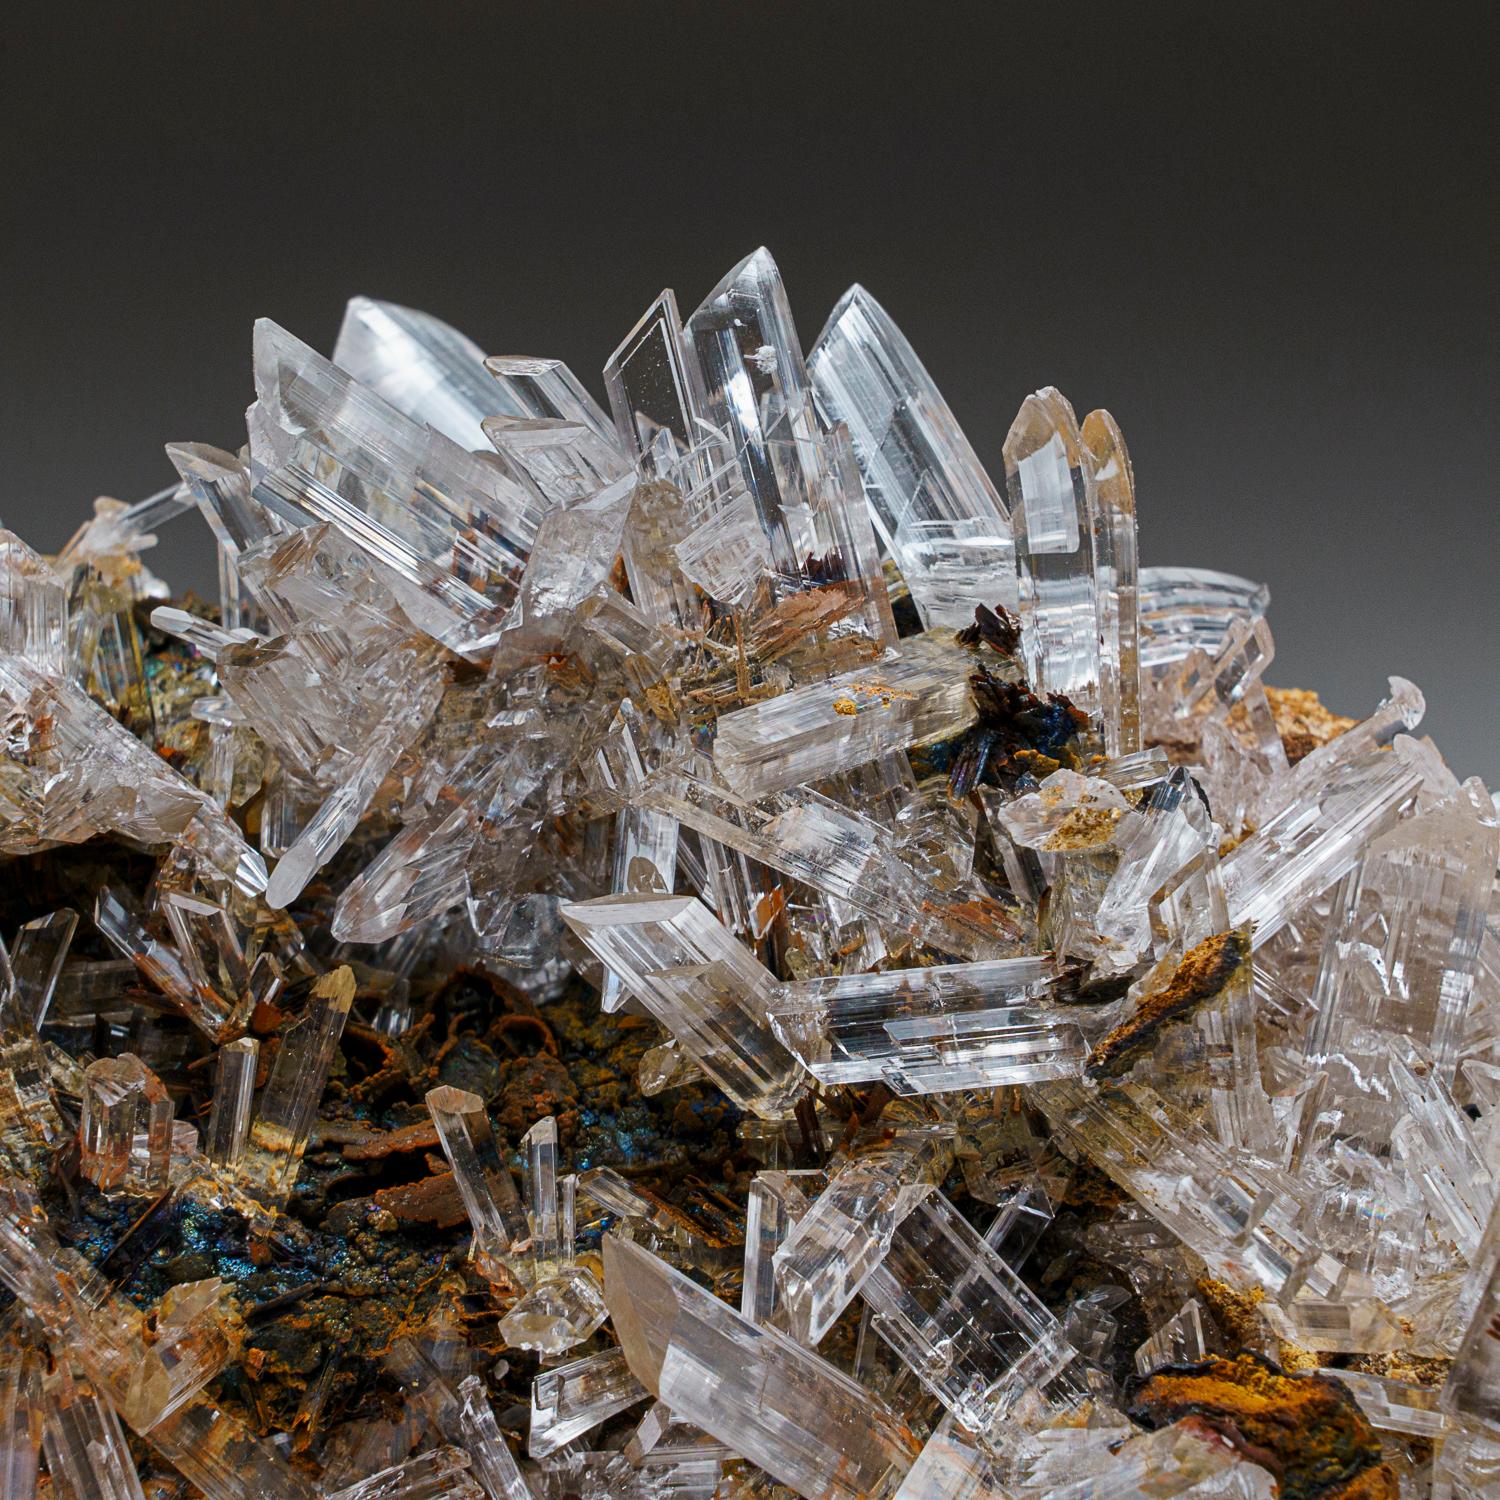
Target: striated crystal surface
{"points": [[848, 1229], [934, 1030], [702, 984], [772, 1401], [935, 509], [571, 1399]]}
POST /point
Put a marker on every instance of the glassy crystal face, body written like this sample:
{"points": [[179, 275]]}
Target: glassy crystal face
{"points": [[711, 949]]}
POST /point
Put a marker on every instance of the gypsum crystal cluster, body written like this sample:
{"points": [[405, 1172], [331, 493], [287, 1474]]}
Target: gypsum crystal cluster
{"points": [[709, 949]]}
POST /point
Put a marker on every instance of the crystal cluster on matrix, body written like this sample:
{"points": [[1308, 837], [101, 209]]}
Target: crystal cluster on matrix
{"points": [[710, 947]]}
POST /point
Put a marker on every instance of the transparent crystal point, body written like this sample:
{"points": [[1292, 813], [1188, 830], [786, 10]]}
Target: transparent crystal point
{"points": [[1049, 478], [125, 1135], [547, 390], [1117, 584], [651, 388], [279, 1134], [935, 510], [484, 1181], [425, 369]]}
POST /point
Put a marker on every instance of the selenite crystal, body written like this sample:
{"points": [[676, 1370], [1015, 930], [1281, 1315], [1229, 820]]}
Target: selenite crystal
{"points": [[714, 936]]}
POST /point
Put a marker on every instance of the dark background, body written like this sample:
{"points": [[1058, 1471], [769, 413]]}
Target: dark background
{"points": [[1265, 237]]}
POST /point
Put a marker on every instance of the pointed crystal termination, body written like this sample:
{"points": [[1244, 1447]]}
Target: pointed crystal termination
{"points": [[770, 1400], [803, 525], [21, 1367], [421, 873], [703, 985], [125, 1137], [217, 1453], [272, 1157], [934, 507], [1398, 713], [425, 369], [234, 1091], [219, 483], [961, 1319], [325, 833], [121, 922], [1049, 477], [494, 1465], [651, 389], [1179, 1341], [1310, 844], [768, 1221], [36, 961], [546, 390], [484, 1181], [569, 1400], [935, 1030], [828, 727], [447, 531], [565, 1304], [846, 1233], [755, 387], [86, 1452], [1118, 602], [551, 1240]]}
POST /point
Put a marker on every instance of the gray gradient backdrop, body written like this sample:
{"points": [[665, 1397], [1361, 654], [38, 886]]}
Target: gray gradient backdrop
{"points": [[1264, 236]]}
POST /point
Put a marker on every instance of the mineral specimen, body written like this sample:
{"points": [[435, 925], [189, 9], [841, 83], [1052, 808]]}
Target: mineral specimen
{"points": [[720, 939]]}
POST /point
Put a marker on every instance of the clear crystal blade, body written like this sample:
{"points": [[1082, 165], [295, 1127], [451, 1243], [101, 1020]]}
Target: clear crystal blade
{"points": [[770, 1400], [934, 507], [964, 1322], [571, 1399], [1049, 478], [703, 985], [933, 1030], [1117, 582], [425, 369], [828, 727], [546, 389]]}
